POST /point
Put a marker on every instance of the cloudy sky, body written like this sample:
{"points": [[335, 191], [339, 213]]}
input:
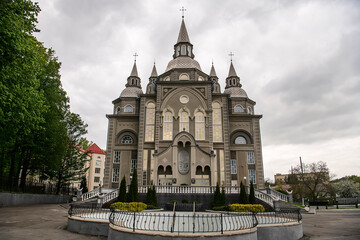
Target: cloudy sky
{"points": [[299, 60]]}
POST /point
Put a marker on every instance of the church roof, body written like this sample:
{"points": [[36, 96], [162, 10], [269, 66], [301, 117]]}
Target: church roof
{"points": [[232, 72], [236, 92], [183, 62], [154, 72], [95, 149], [212, 71], [183, 35], [131, 92], [134, 72]]}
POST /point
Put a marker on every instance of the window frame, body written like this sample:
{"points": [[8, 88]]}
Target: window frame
{"points": [[115, 175], [117, 156]]}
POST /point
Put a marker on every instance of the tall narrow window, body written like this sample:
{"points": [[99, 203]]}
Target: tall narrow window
{"points": [[199, 126], [115, 175], [150, 122], [217, 125], [184, 121], [251, 158], [116, 156], [133, 161], [183, 50], [168, 125], [252, 176], [145, 164], [233, 166]]}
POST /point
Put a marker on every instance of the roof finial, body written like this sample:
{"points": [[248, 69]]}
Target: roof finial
{"points": [[183, 10], [231, 54], [135, 55]]}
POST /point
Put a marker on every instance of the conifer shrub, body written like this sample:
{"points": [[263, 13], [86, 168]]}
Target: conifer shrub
{"points": [[133, 195], [122, 190], [252, 199], [243, 197]]}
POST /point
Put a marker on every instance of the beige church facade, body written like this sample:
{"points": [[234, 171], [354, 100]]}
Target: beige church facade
{"points": [[183, 131]]}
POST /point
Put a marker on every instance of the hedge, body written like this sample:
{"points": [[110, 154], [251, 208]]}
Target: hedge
{"points": [[133, 206], [246, 208]]}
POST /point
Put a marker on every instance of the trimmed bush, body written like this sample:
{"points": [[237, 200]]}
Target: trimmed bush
{"points": [[132, 206], [252, 199], [185, 200], [221, 208], [242, 197], [133, 195], [218, 198], [122, 190], [246, 208]]}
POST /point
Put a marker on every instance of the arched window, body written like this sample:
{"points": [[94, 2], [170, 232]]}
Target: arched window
{"points": [[238, 109], [178, 51], [150, 122], [183, 50], [240, 140], [127, 139], [189, 51], [217, 123], [200, 78], [249, 110], [184, 76], [168, 125], [128, 108], [199, 126], [167, 79], [184, 121], [118, 110]]}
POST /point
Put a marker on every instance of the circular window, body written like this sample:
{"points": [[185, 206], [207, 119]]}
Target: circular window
{"points": [[184, 99]]}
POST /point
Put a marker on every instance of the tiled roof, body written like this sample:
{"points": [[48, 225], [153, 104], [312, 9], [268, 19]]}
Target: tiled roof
{"points": [[154, 72], [183, 35], [212, 71], [232, 72], [236, 92], [183, 62], [131, 92], [95, 149], [134, 72]]}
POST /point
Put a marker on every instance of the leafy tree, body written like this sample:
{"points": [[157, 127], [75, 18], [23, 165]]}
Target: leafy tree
{"points": [[122, 190], [243, 197], [83, 185], [346, 188], [252, 199], [84, 143], [312, 181], [133, 195]]}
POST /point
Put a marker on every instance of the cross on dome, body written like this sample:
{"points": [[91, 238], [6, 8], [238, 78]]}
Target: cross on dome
{"points": [[135, 55]]}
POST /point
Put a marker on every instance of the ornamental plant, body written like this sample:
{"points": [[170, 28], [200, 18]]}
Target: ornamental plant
{"points": [[246, 207], [132, 206]]}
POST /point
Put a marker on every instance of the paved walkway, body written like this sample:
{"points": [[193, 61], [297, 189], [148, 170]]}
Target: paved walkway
{"points": [[49, 222], [339, 224], [37, 222]]}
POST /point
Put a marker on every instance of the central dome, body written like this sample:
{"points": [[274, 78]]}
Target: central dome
{"points": [[183, 62]]}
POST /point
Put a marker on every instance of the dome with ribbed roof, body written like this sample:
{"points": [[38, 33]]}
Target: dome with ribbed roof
{"points": [[183, 62], [131, 92], [236, 92]]}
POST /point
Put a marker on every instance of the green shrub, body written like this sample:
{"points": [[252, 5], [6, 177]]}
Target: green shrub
{"points": [[122, 190], [185, 200], [132, 206], [252, 199], [242, 197], [152, 207], [246, 208], [221, 208], [218, 197]]}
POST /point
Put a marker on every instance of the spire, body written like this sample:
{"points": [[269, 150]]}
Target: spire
{"points": [[183, 35], [212, 71], [134, 72], [154, 72], [232, 72]]}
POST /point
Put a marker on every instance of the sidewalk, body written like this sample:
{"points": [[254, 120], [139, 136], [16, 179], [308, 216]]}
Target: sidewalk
{"points": [[37, 222], [339, 224]]}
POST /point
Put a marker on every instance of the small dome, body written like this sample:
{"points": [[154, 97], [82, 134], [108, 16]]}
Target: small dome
{"points": [[183, 62], [236, 92], [131, 92]]}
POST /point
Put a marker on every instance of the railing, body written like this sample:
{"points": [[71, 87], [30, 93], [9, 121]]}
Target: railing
{"points": [[183, 222], [91, 194], [108, 197], [277, 195], [282, 216], [89, 211]]}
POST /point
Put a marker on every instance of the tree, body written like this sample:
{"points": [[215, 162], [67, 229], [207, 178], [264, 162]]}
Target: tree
{"points": [[151, 198], [122, 190], [346, 188], [223, 197], [311, 181], [133, 195], [252, 199], [83, 185], [84, 143], [243, 197], [218, 198]]}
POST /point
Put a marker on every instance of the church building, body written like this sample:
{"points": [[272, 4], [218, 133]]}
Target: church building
{"points": [[184, 131]]}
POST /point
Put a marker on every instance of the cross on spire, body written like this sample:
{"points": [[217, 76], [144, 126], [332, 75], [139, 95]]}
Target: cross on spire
{"points": [[135, 55], [182, 10], [231, 54]]}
